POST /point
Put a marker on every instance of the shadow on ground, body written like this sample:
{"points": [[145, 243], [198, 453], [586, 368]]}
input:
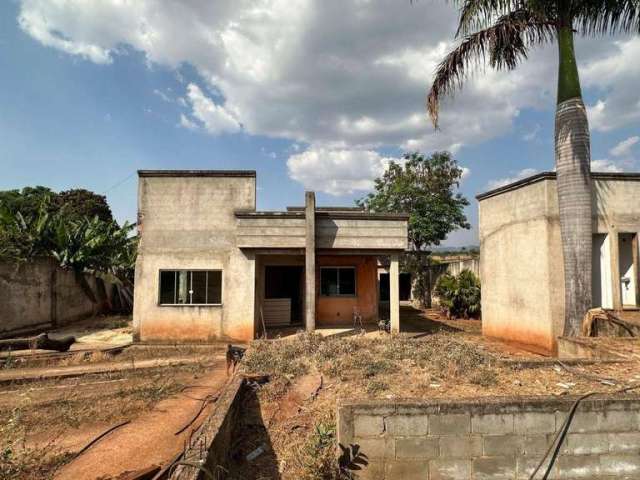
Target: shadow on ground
{"points": [[252, 438]]}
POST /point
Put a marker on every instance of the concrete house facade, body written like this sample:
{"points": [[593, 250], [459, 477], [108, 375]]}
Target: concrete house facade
{"points": [[211, 267], [521, 266]]}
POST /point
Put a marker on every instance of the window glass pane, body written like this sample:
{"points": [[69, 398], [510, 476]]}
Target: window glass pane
{"points": [[167, 287], [199, 287], [329, 281], [183, 284], [214, 290], [347, 281]]}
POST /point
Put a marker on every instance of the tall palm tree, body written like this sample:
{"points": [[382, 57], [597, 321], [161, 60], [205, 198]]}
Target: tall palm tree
{"points": [[504, 31]]}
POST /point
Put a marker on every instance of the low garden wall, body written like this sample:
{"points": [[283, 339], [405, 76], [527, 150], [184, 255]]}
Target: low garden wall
{"points": [[496, 438]]}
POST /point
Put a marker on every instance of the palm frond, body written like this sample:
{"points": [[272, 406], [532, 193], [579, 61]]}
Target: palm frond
{"points": [[607, 16], [506, 42], [479, 14]]}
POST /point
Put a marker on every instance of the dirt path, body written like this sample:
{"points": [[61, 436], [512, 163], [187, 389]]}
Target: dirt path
{"points": [[150, 439]]}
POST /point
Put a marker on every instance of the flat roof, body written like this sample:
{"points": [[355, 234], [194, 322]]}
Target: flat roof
{"points": [[538, 177], [196, 173], [327, 209], [344, 215]]}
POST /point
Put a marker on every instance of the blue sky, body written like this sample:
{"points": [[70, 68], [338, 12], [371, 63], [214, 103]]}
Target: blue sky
{"points": [[87, 99]]}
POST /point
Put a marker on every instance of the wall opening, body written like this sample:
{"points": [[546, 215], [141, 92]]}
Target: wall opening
{"points": [[627, 259], [601, 272], [283, 298]]}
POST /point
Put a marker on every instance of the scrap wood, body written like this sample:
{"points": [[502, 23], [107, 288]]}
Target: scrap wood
{"points": [[39, 342], [144, 474], [588, 376], [601, 314]]}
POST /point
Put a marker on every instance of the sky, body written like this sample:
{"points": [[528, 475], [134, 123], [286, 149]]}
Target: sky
{"points": [[312, 94]]}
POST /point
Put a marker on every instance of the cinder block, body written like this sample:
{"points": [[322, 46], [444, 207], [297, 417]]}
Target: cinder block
{"points": [[534, 422], [372, 471], [406, 470], [405, 425], [536, 444], [368, 425], [460, 446], [449, 424], [614, 421], [494, 468], [500, 445], [619, 465], [577, 466], [416, 447], [492, 424], [450, 469], [377, 448], [526, 465], [624, 442], [586, 444]]}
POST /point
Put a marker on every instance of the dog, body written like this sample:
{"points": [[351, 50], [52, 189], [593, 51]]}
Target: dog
{"points": [[234, 355]]}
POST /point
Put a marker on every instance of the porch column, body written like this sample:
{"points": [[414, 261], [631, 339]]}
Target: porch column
{"points": [[394, 294], [310, 262], [614, 253]]}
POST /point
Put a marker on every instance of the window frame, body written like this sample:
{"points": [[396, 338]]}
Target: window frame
{"points": [[190, 271], [338, 268]]}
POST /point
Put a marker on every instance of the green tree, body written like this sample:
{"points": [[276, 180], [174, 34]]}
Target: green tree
{"points": [[425, 188], [504, 31], [79, 203]]}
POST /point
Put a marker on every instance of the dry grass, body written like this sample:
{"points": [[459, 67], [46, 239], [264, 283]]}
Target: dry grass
{"points": [[441, 365]]}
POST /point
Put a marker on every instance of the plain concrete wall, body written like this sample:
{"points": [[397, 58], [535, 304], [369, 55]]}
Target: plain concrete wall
{"points": [[493, 438], [38, 295], [188, 222], [339, 310], [521, 264]]}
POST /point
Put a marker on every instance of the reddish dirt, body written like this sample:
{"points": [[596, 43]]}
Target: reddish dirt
{"points": [[150, 439]]}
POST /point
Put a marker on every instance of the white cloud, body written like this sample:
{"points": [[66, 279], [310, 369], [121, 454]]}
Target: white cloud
{"points": [[349, 75], [532, 134], [337, 172], [501, 182], [186, 123], [465, 173], [623, 149], [604, 165], [215, 119]]}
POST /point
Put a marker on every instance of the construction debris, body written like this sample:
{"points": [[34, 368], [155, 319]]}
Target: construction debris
{"points": [[39, 342]]}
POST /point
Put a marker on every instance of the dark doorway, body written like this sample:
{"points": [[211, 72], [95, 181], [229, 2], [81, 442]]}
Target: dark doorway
{"points": [[405, 286], [285, 282], [404, 281], [384, 287]]}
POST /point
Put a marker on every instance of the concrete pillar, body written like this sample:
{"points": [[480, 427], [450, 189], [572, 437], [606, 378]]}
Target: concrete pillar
{"points": [[310, 262], [614, 252], [394, 293]]}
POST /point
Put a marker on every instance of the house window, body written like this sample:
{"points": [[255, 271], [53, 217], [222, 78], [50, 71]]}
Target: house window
{"points": [[190, 287], [337, 281]]}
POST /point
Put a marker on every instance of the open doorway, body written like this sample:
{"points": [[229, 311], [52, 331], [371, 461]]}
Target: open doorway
{"points": [[404, 285], [283, 287], [627, 260], [601, 272]]}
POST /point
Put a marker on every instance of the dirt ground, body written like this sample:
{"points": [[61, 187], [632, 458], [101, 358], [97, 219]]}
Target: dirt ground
{"points": [[292, 417], [44, 424]]}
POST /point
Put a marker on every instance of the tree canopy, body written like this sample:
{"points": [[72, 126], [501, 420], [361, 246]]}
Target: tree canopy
{"points": [[425, 188]]}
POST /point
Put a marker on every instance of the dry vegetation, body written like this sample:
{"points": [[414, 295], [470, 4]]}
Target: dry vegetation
{"points": [[43, 424], [302, 434]]}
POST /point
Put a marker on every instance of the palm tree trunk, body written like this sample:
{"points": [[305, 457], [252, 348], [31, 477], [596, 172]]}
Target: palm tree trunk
{"points": [[573, 166]]}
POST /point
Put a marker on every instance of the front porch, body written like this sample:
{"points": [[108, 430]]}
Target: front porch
{"points": [[342, 291]]}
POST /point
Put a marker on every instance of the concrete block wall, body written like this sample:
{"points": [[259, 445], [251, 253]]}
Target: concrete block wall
{"points": [[498, 438]]}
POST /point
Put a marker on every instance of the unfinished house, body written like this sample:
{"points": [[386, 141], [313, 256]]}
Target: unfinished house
{"points": [[521, 265], [211, 267]]}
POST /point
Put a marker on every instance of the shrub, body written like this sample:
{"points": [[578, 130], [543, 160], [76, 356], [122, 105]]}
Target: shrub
{"points": [[459, 295]]}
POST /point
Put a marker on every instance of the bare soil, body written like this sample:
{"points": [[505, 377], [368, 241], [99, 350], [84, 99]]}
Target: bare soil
{"points": [[44, 424]]}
